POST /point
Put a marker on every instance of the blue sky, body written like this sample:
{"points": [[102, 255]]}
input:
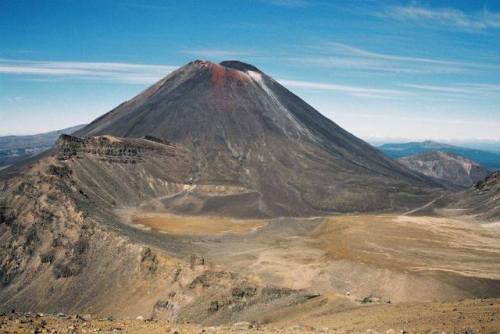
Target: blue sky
{"points": [[416, 69]]}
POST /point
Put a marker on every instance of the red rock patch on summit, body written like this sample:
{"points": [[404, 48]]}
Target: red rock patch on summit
{"points": [[220, 75]]}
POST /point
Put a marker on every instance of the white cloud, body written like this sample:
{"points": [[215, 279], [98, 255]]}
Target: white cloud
{"points": [[15, 99], [441, 89], [119, 72], [463, 88], [343, 56], [351, 50], [214, 53], [357, 63], [449, 17], [287, 3], [352, 90], [147, 74], [483, 87]]}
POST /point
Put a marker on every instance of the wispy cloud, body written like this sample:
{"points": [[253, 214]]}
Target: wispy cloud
{"points": [[15, 99], [364, 64], [484, 87], [343, 56], [119, 72], [407, 91], [358, 91], [147, 74], [145, 5], [287, 3], [215, 53], [448, 17], [473, 89], [351, 50]]}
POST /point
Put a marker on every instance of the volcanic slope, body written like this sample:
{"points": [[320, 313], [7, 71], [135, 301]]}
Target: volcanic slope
{"points": [[245, 130]]}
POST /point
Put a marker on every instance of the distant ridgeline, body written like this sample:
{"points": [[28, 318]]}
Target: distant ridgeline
{"points": [[487, 159]]}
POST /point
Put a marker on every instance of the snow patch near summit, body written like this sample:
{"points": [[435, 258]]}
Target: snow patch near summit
{"points": [[257, 78]]}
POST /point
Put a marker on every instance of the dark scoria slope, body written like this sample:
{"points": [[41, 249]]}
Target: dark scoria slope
{"points": [[246, 130]]}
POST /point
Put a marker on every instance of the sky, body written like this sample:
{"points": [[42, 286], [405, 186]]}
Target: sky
{"points": [[380, 69]]}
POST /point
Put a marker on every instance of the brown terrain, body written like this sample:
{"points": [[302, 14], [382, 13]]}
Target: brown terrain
{"points": [[245, 210], [323, 315]]}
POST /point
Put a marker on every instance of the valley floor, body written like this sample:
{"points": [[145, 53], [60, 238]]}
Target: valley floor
{"points": [[395, 258], [338, 274], [379, 272]]}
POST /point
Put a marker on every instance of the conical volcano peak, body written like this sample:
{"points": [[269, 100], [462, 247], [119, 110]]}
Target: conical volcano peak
{"points": [[226, 64], [245, 129], [200, 63], [238, 65], [228, 71]]}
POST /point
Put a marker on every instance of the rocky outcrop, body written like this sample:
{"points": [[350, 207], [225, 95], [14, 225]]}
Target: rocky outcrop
{"points": [[112, 149], [490, 183], [482, 200], [446, 166]]}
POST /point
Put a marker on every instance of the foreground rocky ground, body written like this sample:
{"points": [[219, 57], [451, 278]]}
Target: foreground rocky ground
{"points": [[467, 316]]}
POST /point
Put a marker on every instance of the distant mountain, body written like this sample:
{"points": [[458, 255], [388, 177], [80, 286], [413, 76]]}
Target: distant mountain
{"points": [[16, 148], [487, 159], [446, 166], [484, 145]]}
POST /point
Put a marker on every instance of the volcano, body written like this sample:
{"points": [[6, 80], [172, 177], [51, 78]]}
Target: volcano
{"points": [[200, 200], [245, 130]]}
